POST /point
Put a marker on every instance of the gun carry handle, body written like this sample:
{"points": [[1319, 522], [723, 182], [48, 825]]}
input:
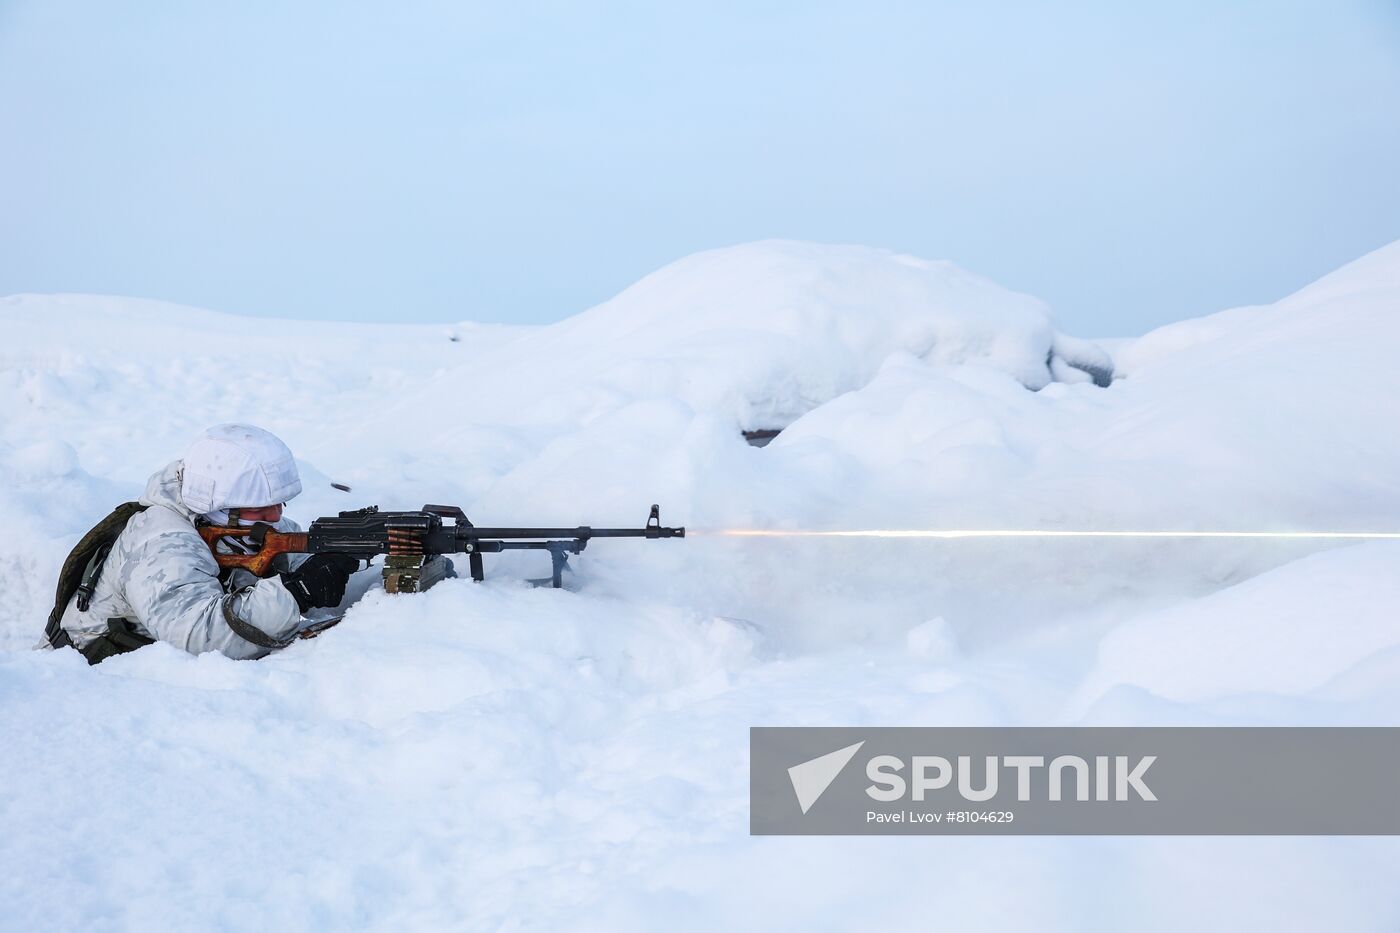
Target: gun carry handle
{"points": [[270, 545]]}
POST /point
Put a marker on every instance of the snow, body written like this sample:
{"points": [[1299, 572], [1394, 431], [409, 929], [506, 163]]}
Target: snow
{"points": [[1328, 613], [503, 757]]}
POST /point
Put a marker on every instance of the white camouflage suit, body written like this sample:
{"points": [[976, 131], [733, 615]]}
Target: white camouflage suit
{"points": [[161, 576]]}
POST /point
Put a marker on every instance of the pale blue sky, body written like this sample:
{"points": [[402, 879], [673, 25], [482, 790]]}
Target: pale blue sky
{"points": [[520, 162]]}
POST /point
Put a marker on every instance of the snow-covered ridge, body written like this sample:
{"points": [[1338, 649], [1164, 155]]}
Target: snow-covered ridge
{"points": [[1352, 308], [778, 327], [761, 333]]}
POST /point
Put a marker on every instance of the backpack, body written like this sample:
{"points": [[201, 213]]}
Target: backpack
{"points": [[81, 570]]}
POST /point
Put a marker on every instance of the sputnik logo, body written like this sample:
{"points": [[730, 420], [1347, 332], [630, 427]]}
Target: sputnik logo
{"points": [[811, 778]]}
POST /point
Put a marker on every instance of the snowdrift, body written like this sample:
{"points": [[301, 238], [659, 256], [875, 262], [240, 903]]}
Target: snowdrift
{"points": [[498, 756], [772, 330]]}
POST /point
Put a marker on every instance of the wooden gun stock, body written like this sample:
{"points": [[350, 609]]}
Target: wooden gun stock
{"points": [[270, 545]]}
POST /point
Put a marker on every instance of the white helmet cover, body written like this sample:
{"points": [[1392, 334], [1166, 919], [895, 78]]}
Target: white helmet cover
{"points": [[236, 466]]}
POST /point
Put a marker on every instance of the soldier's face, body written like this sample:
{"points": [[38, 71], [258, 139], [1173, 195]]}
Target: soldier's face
{"points": [[266, 513]]}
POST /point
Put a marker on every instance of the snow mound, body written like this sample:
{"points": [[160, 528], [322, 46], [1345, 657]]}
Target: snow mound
{"points": [[1337, 314], [768, 331], [1290, 631]]}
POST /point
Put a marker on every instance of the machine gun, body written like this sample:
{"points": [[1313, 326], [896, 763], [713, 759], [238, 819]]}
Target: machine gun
{"points": [[414, 543]]}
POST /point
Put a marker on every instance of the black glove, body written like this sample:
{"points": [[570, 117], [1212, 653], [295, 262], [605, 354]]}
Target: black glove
{"points": [[320, 580]]}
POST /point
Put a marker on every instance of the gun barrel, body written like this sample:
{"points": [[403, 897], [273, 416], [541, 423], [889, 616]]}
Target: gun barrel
{"points": [[653, 529], [583, 532]]}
